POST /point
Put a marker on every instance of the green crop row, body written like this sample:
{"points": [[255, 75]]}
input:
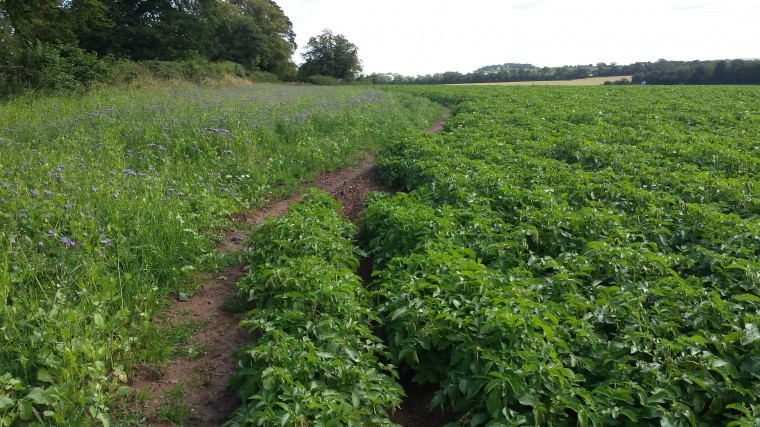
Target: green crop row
{"points": [[315, 360], [578, 255]]}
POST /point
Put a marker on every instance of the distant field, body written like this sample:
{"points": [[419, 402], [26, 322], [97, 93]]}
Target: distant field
{"points": [[591, 81]]}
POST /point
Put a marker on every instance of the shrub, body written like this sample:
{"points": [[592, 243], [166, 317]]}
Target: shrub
{"points": [[323, 80], [264, 77], [55, 67]]}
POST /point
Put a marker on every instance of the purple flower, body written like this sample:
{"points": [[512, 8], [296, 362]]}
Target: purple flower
{"points": [[93, 189], [23, 215], [48, 193], [65, 241], [33, 193], [218, 131], [105, 242], [130, 172], [40, 245], [51, 233]]}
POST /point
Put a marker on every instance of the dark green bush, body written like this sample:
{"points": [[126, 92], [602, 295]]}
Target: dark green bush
{"points": [[44, 66], [323, 80], [263, 77], [195, 70], [124, 71], [167, 70]]}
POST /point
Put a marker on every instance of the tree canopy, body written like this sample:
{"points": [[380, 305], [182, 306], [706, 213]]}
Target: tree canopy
{"points": [[254, 33], [332, 55]]}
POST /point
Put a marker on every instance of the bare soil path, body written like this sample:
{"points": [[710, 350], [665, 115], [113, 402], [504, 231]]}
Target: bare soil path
{"points": [[205, 379]]}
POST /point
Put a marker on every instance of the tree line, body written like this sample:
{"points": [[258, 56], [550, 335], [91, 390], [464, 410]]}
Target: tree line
{"points": [[659, 72], [66, 43], [253, 33], [735, 72]]}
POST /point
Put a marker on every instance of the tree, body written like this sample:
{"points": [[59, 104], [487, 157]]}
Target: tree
{"points": [[330, 55], [43, 20], [255, 33], [8, 44]]}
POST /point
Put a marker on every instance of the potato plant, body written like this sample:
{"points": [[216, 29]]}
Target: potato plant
{"points": [[577, 256], [315, 360]]}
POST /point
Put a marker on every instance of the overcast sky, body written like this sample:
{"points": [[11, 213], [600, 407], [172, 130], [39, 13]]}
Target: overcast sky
{"points": [[414, 37]]}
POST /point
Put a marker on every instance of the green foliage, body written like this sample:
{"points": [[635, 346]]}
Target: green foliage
{"points": [[52, 44], [197, 70], [54, 67], [332, 55], [320, 80], [266, 42], [316, 361], [700, 72], [577, 256], [111, 200], [263, 77]]}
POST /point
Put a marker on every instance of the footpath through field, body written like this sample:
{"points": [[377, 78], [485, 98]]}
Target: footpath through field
{"points": [[204, 380]]}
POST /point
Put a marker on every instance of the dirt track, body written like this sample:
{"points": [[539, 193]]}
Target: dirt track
{"points": [[206, 378]]}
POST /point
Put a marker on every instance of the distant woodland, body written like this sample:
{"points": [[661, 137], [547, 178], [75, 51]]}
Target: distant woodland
{"points": [[660, 72]]}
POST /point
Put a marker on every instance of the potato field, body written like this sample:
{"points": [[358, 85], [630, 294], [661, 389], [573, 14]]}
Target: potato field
{"points": [[555, 256], [577, 256]]}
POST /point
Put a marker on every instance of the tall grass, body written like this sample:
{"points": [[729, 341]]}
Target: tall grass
{"points": [[110, 201]]}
